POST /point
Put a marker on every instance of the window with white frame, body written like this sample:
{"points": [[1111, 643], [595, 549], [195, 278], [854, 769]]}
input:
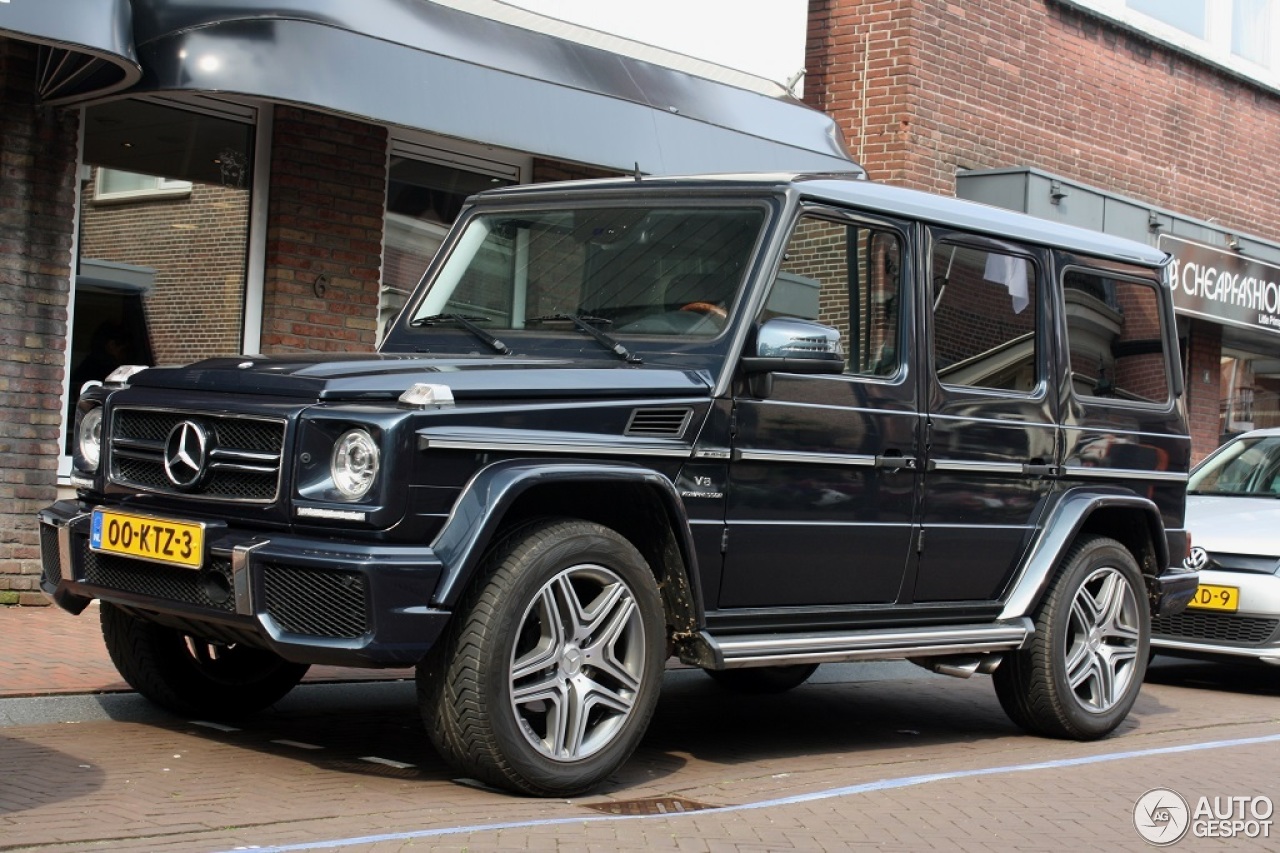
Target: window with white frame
{"points": [[1242, 36], [119, 185]]}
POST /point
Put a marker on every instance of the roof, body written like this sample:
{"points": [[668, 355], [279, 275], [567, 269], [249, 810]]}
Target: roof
{"points": [[852, 189]]}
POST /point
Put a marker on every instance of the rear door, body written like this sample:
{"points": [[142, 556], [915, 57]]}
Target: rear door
{"points": [[993, 443]]}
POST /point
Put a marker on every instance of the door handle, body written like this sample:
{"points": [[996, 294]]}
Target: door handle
{"points": [[1038, 468], [895, 462]]}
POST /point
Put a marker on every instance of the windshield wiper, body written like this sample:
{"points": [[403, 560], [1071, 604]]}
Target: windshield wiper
{"points": [[584, 324], [467, 322]]}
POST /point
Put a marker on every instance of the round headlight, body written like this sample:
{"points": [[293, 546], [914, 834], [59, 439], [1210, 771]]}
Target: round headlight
{"points": [[89, 438], [355, 464]]}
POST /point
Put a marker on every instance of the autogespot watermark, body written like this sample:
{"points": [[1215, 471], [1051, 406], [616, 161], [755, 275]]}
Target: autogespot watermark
{"points": [[1162, 817]]}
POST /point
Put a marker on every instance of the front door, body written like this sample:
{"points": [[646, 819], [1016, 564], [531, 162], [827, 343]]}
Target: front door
{"points": [[825, 471]]}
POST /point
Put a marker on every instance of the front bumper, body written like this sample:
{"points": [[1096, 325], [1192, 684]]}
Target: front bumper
{"points": [[310, 599], [1252, 631]]}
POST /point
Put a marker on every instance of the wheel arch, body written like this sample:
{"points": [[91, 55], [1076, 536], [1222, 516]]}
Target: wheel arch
{"points": [[1130, 519], [639, 503]]}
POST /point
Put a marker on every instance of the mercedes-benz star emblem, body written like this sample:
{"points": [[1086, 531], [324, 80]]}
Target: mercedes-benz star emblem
{"points": [[1198, 559], [185, 452]]}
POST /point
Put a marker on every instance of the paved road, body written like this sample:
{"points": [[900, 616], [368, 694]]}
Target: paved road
{"points": [[876, 756]]}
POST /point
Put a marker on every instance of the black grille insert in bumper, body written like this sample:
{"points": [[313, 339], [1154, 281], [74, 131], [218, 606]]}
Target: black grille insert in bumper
{"points": [[1215, 628], [316, 602], [167, 583]]}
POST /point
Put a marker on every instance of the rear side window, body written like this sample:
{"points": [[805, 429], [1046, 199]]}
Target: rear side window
{"points": [[984, 318], [1117, 349]]}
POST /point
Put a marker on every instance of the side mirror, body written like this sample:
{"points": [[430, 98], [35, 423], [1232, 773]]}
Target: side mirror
{"points": [[792, 345]]}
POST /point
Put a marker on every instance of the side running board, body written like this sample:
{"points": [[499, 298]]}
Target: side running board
{"points": [[774, 649]]}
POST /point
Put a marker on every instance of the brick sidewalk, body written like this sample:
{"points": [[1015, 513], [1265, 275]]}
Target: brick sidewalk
{"points": [[49, 651]]}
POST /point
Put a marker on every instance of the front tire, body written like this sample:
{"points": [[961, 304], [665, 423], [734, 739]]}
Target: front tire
{"points": [[549, 676], [1081, 673], [194, 677]]}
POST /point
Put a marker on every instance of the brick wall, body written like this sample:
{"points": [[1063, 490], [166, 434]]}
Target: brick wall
{"points": [[922, 88], [1204, 387], [37, 197], [324, 237]]}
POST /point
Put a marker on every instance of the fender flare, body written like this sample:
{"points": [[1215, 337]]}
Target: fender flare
{"points": [[486, 498], [1066, 519]]}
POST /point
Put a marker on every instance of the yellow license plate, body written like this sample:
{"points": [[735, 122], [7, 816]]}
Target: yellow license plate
{"points": [[161, 540], [1209, 597]]}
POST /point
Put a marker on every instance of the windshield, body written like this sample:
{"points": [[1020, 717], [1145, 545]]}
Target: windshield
{"points": [[1248, 466], [672, 271]]}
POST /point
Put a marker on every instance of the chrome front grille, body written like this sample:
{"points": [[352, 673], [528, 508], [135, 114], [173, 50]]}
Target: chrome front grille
{"points": [[244, 455]]}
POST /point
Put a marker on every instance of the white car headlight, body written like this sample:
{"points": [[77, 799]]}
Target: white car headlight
{"points": [[89, 438], [354, 466]]}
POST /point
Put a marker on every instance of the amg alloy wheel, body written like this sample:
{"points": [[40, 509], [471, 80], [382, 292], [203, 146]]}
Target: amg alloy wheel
{"points": [[554, 672], [1083, 670]]}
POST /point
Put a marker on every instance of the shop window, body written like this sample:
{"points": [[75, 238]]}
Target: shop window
{"points": [[163, 243], [424, 198], [1116, 348], [984, 318]]}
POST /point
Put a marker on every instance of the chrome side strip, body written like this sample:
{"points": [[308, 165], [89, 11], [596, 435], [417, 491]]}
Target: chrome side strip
{"points": [[976, 467], [855, 460], [501, 444], [1080, 472], [734, 652]]}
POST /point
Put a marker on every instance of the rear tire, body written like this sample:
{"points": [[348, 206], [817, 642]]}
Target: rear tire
{"points": [[194, 677], [547, 679], [760, 680], [1082, 671]]}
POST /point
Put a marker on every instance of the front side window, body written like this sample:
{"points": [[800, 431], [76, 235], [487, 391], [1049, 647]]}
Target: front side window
{"points": [[1117, 350], [846, 276], [624, 270], [984, 318]]}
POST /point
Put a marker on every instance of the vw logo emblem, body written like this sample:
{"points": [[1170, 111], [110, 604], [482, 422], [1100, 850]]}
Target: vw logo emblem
{"points": [[185, 452], [1198, 559]]}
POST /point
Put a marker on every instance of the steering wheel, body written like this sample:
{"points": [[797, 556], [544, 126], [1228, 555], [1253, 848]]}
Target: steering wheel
{"points": [[709, 308]]}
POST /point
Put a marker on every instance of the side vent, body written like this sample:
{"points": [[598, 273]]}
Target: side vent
{"points": [[659, 423]]}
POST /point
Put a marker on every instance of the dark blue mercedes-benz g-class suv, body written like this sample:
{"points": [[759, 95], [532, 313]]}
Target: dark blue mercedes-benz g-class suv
{"points": [[757, 423]]}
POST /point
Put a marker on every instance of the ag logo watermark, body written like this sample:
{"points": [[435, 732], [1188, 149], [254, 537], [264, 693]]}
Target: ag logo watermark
{"points": [[1163, 817]]}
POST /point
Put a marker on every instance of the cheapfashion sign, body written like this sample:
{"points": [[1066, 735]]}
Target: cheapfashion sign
{"points": [[1223, 286]]}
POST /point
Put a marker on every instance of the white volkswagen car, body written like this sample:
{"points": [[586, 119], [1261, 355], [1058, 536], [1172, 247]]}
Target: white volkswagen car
{"points": [[1233, 514]]}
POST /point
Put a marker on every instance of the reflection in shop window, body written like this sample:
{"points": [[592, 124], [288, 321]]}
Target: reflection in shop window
{"points": [[118, 185], [161, 271]]}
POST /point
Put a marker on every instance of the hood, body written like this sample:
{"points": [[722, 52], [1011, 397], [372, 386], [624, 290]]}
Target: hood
{"points": [[382, 376], [1234, 524]]}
